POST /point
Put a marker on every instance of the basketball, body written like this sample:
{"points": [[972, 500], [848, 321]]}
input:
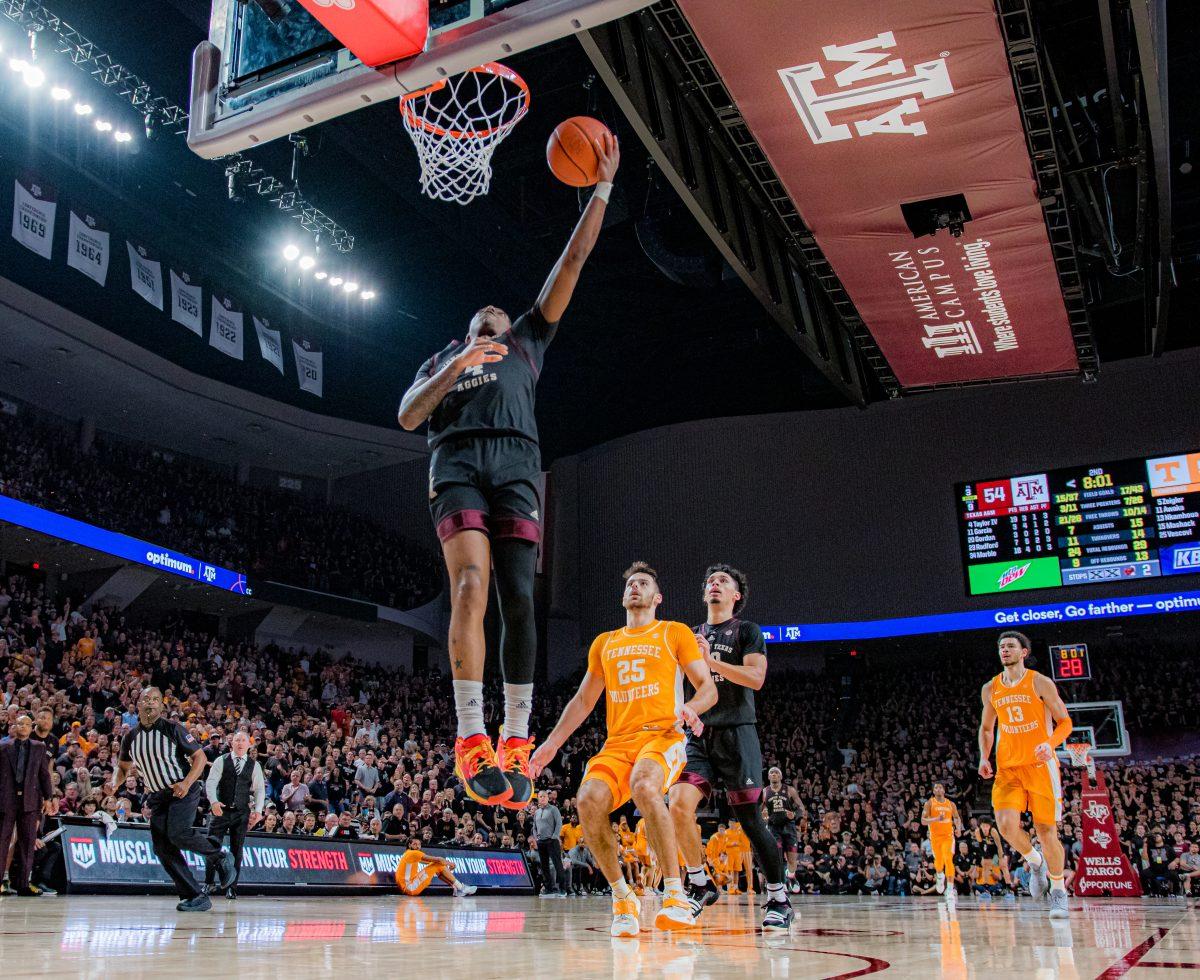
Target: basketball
{"points": [[571, 151]]}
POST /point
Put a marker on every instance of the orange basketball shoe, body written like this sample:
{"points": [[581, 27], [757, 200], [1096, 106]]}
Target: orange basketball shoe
{"points": [[514, 763], [475, 764]]}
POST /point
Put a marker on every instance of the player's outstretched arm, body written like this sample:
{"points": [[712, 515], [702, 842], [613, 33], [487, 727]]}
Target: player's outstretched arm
{"points": [[560, 285], [427, 391], [987, 732], [574, 715]]}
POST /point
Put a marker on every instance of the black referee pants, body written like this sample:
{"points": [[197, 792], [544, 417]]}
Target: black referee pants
{"points": [[235, 823], [173, 830]]}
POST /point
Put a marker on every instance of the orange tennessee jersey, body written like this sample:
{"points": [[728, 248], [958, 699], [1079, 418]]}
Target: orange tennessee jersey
{"points": [[942, 811], [1021, 716], [643, 675], [640, 843], [411, 860]]}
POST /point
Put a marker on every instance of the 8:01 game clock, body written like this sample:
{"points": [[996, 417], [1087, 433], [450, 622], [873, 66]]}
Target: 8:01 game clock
{"points": [[1069, 662]]}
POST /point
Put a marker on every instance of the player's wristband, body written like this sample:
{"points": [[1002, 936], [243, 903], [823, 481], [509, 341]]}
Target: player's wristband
{"points": [[603, 190], [1060, 733]]}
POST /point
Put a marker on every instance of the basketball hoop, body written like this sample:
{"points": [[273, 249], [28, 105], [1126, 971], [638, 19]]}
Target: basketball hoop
{"points": [[457, 123], [1081, 756]]}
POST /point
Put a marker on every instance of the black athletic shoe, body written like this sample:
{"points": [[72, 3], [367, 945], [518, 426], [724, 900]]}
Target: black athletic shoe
{"points": [[231, 893], [701, 896], [199, 903], [777, 916], [226, 871]]}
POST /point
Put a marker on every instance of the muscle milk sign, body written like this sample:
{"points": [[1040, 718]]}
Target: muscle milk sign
{"points": [[1103, 867], [864, 108]]}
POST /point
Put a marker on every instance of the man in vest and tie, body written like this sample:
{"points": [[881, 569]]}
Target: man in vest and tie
{"points": [[236, 793]]}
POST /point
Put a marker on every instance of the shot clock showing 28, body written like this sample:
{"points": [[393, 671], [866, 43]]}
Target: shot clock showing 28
{"points": [[1135, 518]]}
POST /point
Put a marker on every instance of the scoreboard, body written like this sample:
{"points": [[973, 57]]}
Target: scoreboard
{"points": [[1113, 522], [1069, 662]]}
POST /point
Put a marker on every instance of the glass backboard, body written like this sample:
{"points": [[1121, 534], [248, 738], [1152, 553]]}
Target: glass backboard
{"points": [[255, 80]]}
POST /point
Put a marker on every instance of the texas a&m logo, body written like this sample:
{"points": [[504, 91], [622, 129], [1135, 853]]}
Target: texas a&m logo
{"points": [[1097, 811], [83, 851], [901, 92]]}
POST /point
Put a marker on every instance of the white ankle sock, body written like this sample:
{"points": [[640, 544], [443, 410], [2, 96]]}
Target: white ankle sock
{"points": [[697, 876], [1034, 858], [518, 700], [1058, 884], [672, 886], [468, 703], [776, 893], [620, 888]]}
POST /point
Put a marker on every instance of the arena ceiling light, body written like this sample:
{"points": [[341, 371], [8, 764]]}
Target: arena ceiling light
{"points": [[368, 294], [103, 126], [60, 94], [336, 281], [320, 274], [291, 253], [33, 76], [83, 109], [307, 262]]}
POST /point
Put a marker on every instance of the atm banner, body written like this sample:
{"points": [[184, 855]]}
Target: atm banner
{"points": [[879, 118], [127, 858]]}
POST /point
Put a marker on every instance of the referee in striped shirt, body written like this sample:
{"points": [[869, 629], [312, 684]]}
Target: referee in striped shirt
{"points": [[171, 763]]}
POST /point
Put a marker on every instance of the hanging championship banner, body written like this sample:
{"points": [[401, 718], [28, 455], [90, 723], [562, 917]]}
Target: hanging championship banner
{"points": [[226, 334], [87, 246], [270, 344], [186, 305], [145, 274], [33, 214], [310, 366]]}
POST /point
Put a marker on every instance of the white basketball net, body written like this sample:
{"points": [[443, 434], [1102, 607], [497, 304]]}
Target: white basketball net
{"points": [[1080, 753], [456, 125]]}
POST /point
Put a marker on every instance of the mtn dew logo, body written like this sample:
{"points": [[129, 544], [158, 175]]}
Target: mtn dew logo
{"points": [[1009, 576]]}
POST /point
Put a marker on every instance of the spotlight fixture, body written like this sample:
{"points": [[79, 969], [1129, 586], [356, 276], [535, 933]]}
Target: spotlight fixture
{"points": [[307, 262], [33, 76], [103, 126], [60, 94], [291, 253], [320, 274], [368, 294], [122, 137], [336, 281], [18, 65], [82, 109], [350, 287]]}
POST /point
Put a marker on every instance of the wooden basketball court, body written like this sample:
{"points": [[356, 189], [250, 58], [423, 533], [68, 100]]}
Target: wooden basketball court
{"points": [[527, 937]]}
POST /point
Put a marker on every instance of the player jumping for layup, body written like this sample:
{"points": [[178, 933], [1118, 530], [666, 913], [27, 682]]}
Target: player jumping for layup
{"points": [[483, 480], [641, 667], [941, 817], [727, 753], [1027, 776]]}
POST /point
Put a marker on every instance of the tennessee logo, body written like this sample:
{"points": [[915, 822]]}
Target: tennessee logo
{"points": [[862, 61]]}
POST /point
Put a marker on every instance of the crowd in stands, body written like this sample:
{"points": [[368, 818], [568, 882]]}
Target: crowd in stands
{"points": [[190, 507], [356, 750]]}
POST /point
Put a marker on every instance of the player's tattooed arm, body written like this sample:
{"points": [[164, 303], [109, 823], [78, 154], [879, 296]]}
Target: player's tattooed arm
{"points": [[426, 394]]}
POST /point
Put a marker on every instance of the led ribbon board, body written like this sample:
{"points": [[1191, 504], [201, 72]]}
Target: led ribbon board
{"points": [[120, 545]]}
